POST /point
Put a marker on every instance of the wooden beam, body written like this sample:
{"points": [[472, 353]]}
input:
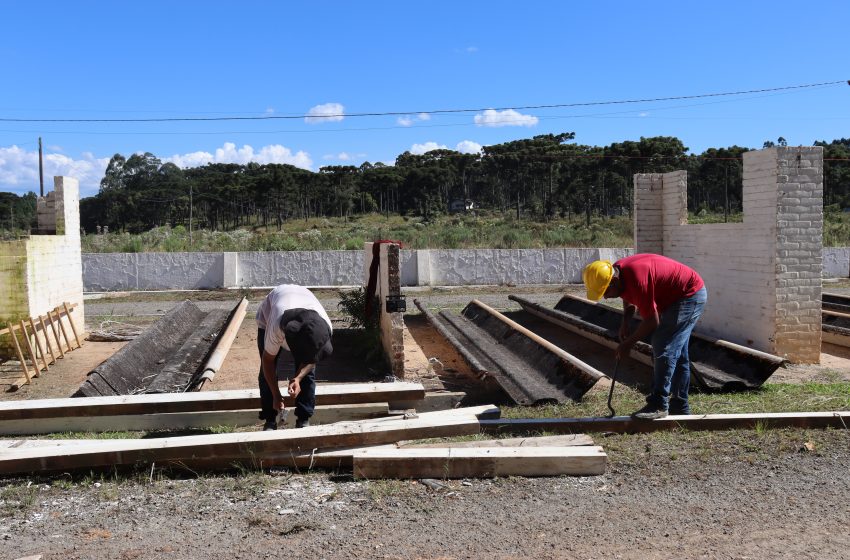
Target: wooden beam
{"points": [[55, 335], [180, 420], [47, 339], [73, 328], [62, 328], [432, 401], [20, 355], [479, 462], [566, 440], [158, 403], [38, 345], [26, 338], [627, 424], [164, 451]]}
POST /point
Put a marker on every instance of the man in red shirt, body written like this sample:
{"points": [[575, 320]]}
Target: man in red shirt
{"points": [[670, 298]]}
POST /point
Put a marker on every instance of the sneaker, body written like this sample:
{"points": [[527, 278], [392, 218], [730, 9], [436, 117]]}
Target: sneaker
{"points": [[269, 425], [302, 423], [650, 412]]}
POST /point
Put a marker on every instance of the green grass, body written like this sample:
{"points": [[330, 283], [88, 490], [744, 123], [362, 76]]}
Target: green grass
{"points": [[775, 397], [445, 232]]}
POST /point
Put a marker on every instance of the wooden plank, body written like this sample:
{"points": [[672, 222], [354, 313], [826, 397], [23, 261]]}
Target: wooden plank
{"points": [[343, 393], [164, 451], [479, 462], [432, 401], [180, 420], [26, 338], [47, 339], [566, 440], [835, 338], [73, 328], [55, 335], [62, 328], [20, 354], [627, 424], [38, 345]]}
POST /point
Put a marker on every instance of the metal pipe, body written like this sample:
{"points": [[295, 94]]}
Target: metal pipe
{"points": [[222, 347]]}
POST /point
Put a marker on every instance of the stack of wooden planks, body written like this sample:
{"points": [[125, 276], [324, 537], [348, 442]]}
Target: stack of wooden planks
{"points": [[372, 447]]}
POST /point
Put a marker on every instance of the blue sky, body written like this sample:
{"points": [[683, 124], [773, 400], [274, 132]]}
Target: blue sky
{"points": [[122, 60]]}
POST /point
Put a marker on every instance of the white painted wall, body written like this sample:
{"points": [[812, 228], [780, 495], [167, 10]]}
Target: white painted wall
{"points": [[435, 267], [763, 275]]}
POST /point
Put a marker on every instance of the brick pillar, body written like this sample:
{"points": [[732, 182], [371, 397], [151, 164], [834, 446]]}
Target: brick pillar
{"points": [[799, 245], [674, 205], [392, 324], [648, 215]]}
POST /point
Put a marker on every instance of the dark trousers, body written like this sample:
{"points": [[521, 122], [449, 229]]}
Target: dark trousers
{"points": [[305, 402]]}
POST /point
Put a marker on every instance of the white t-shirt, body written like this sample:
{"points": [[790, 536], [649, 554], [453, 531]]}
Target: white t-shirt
{"points": [[279, 301]]}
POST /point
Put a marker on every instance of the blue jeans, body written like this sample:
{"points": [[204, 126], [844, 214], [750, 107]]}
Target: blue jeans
{"points": [[305, 402], [672, 365]]}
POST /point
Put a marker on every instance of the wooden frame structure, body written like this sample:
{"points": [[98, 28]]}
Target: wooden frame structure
{"points": [[34, 353]]}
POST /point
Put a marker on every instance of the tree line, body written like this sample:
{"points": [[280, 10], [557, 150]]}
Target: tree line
{"points": [[540, 178]]}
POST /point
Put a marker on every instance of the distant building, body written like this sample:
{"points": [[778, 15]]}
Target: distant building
{"points": [[461, 205]]}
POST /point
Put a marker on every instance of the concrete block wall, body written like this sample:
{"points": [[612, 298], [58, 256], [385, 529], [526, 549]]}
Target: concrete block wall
{"points": [[836, 262], [41, 273], [763, 275]]}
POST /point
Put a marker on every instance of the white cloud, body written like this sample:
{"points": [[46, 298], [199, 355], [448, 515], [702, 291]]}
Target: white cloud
{"points": [[19, 170], [419, 149], [468, 147], [229, 153], [327, 112], [643, 114], [270, 110], [342, 156], [19, 167], [409, 120], [508, 117]]}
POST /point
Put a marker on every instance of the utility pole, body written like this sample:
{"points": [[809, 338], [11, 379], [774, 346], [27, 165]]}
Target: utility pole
{"points": [[40, 169], [190, 215]]}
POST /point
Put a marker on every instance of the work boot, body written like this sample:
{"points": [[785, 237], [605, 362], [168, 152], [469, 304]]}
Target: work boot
{"points": [[269, 425], [302, 423], [650, 412], [678, 407]]}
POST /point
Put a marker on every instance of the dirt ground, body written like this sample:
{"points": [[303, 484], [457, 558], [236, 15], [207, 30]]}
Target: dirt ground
{"points": [[732, 494]]}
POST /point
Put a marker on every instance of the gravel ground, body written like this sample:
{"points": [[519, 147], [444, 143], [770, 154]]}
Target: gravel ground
{"points": [[733, 494], [718, 495]]}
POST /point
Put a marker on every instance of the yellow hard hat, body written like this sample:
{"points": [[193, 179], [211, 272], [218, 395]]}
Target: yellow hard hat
{"points": [[596, 276]]}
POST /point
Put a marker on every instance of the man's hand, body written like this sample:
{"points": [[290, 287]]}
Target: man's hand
{"points": [[277, 401], [294, 387]]}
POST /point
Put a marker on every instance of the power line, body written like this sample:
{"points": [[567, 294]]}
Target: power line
{"points": [[440, 111]]}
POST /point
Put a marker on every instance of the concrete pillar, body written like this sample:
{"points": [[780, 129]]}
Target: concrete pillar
{"points": [[649, 237], [423, 267], [230, 276]]}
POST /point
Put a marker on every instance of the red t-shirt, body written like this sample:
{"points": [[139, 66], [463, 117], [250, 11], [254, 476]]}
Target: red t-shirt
{"points": [[654, 282]]}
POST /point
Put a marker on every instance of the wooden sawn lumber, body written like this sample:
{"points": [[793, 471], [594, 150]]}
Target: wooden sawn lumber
{"points": [[222, 449], [478, 462], [324, 414], [343, 393], [627, 424]]}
